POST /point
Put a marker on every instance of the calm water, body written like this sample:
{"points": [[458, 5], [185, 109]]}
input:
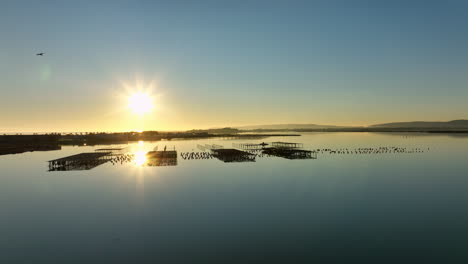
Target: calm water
{"points": [[376, 208]]}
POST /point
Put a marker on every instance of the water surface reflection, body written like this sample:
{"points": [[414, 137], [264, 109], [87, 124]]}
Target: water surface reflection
{"points": [[359, 208]]}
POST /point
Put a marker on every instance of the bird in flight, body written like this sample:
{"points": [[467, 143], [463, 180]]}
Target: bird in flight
{"points": [[40, 54]]}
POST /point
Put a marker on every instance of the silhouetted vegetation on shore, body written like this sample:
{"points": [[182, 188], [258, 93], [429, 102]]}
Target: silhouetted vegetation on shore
{"points": [[11, 144]]}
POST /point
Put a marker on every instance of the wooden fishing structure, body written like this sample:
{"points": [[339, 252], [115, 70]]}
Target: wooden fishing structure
{"points": [[288, 145], [213, 146], [290, 153], [161, 158], [286, 150], [289, 150], [82, 161], [112, 150], [233, 155], [249, 146]]}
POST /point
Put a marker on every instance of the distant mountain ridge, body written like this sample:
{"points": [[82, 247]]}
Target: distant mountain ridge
{"points": [[287, 126], [424, 124]]}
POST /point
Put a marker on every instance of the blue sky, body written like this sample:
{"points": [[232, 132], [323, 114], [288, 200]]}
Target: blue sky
{"points": [[221, 63]]}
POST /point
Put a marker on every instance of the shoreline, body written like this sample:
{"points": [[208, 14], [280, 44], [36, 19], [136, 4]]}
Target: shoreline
{"points": [[16, 144]]}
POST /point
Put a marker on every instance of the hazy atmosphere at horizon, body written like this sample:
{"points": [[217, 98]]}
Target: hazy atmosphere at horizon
{"points": [[175, 65]]}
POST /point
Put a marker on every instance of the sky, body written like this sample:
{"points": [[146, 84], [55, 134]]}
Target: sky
{"points": [[230, 63]]}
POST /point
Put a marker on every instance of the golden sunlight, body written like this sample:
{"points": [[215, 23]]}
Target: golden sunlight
{"points": [[140, 158], [140, 103]]}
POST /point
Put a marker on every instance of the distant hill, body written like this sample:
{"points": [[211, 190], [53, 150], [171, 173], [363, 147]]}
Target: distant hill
{"points": [[286, 127], [225, 130], [455, 124]]}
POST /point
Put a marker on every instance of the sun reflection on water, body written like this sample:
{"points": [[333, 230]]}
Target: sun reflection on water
{"points": [[140, 158], [140, 154]]}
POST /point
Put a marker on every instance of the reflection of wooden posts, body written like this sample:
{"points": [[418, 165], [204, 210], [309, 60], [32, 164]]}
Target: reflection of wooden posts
{"points": [[162, 158], [82, 161], [195, 155], [232, 155], [290, 153]]}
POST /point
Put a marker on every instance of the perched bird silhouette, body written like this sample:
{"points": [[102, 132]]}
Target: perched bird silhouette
{"points": [[40, 54]]}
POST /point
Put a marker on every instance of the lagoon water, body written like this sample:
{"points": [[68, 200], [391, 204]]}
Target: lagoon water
{"points": [[347, 208]]}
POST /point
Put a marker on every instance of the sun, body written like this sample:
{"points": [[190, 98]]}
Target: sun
{"points": [[140, 103]]}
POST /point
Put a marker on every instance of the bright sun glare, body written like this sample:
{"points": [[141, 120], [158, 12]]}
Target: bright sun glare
{"points": [[140, 158], [140, 103]]}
